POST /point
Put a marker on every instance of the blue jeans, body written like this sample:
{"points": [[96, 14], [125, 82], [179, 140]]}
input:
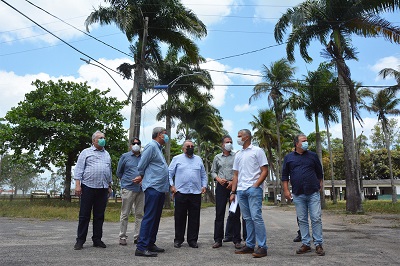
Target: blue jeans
{"points": [[153, 205], [309, 204], [250, 202]]}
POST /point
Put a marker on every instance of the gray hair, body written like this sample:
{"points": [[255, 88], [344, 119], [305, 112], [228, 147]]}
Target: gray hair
{"points": [[187, 140], [296, 138], [96, 133], [245, 132], [157, 131]]}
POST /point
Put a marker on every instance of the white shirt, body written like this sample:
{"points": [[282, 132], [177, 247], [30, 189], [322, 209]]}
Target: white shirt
{"points": [[248, 163]]}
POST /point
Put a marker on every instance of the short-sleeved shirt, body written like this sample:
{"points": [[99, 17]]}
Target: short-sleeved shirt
{"points": [[93, 168], [304, 172], [190, 175], [127, 170], [248, 163], [222, 166], [154, 168]]}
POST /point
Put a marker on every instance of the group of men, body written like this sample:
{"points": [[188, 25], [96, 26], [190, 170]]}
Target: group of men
{"points": [[146, 178]]}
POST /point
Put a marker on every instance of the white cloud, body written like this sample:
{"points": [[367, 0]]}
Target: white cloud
{"points": [[247, 75], [228, 125], [244, 108], [271, 11], [386, 62]]}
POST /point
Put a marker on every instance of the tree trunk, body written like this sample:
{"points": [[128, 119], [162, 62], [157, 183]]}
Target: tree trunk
{"points": [[319, 153], [68, 175], [353, 197], [167, 202], [358, 162], [394, 192], [331, 164]]}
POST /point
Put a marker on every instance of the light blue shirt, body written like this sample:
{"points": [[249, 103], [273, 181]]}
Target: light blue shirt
{"points": [[154, 168], [93, 168], [190, 175], [127, 170]]}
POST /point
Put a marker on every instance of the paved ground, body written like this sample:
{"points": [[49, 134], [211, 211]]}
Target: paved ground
{"points": [[349, 240]]}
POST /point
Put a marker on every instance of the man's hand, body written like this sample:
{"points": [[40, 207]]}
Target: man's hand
{"points": [[203, 190], [287, 195], [137, 180], [232, 197], [222, 181], [78, 190]]}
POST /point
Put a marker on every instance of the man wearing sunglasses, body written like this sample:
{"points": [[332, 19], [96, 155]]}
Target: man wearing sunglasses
{"points": [[188, 180]]}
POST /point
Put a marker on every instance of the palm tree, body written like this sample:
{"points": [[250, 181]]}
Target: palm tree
{"points": [[332, 22], [390, 72], [150, 22], [383, 103], [278, 80], [187, 79], [318, 97]]}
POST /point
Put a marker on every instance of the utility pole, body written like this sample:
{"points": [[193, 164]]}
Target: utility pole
{"points": [[138, 85]]}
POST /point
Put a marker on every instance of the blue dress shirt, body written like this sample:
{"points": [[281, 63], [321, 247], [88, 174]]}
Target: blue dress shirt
{"points": [[154, 168], [190, 175], [93, 168], [304, 171], [127, 170]]}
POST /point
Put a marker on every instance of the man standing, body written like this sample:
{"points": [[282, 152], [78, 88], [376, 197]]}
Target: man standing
{"points": [[189, 182], [250, 170], [153, 174], [93, 184], [304, 170], [222, 173], [131, 193]]}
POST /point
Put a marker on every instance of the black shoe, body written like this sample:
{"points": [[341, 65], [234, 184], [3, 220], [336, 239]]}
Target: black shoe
{"points": [[193, 245], [177, 245], [227, 239], [99, 244], [135, 241], [260, 252], [78, 245], [217, 245], [145, 253], [154, 248], [297, 238]]}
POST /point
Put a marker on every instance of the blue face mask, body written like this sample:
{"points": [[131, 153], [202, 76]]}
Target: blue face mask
{"points": [[101, 142], [166, 138], [304, 145]]}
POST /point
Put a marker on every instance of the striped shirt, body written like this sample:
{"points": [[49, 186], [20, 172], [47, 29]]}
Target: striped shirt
{"points": [[93, 168]]}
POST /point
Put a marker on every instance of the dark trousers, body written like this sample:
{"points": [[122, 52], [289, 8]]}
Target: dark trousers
{"points": [[153, 205], [92, 199], [233, 221], [187, 208]]}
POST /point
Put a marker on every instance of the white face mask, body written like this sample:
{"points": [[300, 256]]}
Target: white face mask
{"points": [[228, 146], [240, 142], [135, 148]]}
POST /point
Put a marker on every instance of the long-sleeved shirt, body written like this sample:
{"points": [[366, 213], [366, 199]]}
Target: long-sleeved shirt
{"points": [[190, 175], [93, 168], [304, 172], [222, 166], [154, 168], [127, 170]]}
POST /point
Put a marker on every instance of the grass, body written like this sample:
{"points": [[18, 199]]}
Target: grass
{"points": [[53, 209], [45, 209]]}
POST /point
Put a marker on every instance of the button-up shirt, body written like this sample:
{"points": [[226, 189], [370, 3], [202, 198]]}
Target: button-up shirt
{"points": [[222, 166], [248, 163], [154, 168], [127, 170], [93, 168], [189, 172], [304, 172]]}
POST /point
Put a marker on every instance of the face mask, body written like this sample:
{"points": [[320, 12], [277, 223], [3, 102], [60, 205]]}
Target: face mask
{"points": [[136, 148], [189, 151], [228, 146], [240, 142], [166, 138], [101, 142], [304, 145]]}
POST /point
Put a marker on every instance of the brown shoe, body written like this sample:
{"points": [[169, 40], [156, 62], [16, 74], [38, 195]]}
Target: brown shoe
{"points": [[260, 252], [244, 250], [319, 250], [303, 249], [217, 245]]}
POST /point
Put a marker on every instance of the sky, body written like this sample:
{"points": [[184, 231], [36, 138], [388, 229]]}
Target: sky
{"points": [[240, 39]]}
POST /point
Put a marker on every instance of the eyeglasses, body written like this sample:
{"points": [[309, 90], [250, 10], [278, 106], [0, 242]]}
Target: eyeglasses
{"points": [[189, 147]]}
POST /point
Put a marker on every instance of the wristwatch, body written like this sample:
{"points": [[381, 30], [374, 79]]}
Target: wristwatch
{"points": [[233, 192]]}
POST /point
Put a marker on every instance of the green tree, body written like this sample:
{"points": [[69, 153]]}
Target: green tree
{"points": [[277, 81], [384, 103], [390, 72], [332, 23], [57, 120], [378, 139]]}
